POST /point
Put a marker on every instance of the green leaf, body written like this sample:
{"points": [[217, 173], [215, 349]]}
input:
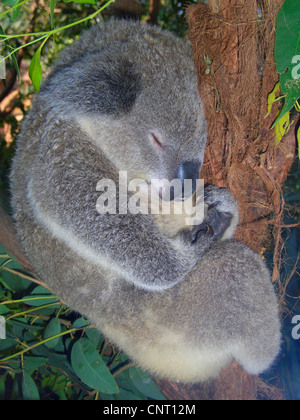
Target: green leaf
{"points": [[35, 70], [127, 395], [272, 98], [90, 367], [8, 343], [80, 323], [15, 265], [145, 384], [81, 1], [53, 328], [282, 127], [298, 139], [40, 296], [52, 7], [4, 310], [10, 2], [22, 324], [94, 336], [28, 387], [14, 282], [3, 250], [2, 388], [31, 363], [13, 56], [16, 12], [287, 52]]}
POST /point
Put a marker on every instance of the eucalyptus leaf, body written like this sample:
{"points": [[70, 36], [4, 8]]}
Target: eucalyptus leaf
{"points": [[94, 336], [298, 141], [4, 310], [15, 265], [35, 70], [40, 296], [23, 322], [287, 53], [145, 384], [40, 290], [81, 1], [15, 282], [10, 2], [8, 343], [91, 369], [127, 395], [53, 328], [2, 388], [16, 12], [29, 388], [52, 7], [3, 250], [80, 323], [13, 56], [31, 363]]}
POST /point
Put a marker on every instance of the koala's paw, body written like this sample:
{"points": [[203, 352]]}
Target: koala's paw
{"points": [[221, 215]]}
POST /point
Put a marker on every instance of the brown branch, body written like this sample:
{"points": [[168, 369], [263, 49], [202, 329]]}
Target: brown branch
{"points": [[126, 9], [9, 240], [13, 76], [214, 5], [153, 12]]}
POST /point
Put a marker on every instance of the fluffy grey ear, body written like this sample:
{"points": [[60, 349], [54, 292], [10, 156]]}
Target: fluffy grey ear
{"points": [[103, 87], [110, 90]]}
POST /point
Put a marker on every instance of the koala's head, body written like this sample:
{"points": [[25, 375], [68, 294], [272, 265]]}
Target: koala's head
{"points": [[133, 88]]}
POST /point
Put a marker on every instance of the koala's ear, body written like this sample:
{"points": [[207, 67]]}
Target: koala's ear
{"points": [[116, 88], [94, 85]]}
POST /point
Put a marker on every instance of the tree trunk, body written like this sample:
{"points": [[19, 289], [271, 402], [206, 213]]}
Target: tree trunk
{"points": [[233, 45], [127, 9], [153, 12], [8, 238]]}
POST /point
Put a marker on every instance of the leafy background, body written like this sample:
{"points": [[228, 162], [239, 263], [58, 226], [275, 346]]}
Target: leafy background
{"points": [[51, 352]]}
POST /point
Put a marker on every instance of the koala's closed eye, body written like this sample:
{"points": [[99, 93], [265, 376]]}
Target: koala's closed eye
{"points": [[156, 141]]}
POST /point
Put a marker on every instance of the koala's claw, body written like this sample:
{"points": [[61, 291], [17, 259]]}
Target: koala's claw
{"points": [[212, 205], [215, 224], [221, 215], [204, 228]]}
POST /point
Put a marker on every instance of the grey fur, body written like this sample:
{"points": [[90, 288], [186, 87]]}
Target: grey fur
{"points": [[181, 310]]}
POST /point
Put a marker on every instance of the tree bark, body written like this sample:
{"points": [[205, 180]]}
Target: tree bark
{"points": [[234, 54], [8, 238], [153, 12], [127, 9]]}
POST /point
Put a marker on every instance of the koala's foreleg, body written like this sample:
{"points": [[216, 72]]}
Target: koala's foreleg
{"points": [[218, 217], [221, 214]]}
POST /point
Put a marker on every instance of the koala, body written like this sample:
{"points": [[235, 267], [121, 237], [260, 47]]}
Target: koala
{"points": [[182, 301]]}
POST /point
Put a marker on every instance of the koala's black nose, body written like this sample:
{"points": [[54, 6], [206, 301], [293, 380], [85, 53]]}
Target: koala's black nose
{"points": [[188, 170]]}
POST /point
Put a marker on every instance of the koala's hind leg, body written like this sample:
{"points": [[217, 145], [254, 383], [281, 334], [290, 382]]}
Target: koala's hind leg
{"points": [[225, 310], [243, 308]]}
